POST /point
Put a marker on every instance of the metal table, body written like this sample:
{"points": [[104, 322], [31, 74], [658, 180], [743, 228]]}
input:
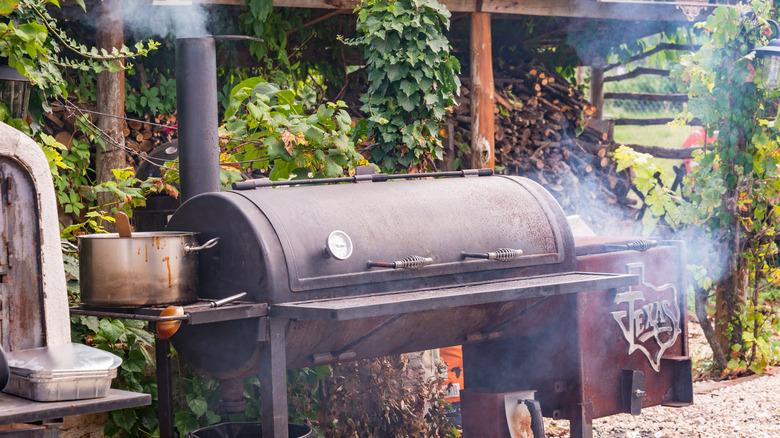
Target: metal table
{"points": [[201, 312]]}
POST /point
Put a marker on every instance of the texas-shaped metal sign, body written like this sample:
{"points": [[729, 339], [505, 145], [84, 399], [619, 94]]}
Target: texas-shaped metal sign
{"points": [[651, 328]]}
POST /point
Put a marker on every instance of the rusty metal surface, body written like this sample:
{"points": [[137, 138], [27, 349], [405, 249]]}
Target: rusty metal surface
{"points": [[634, 332], [576, 364], [21, 304]]}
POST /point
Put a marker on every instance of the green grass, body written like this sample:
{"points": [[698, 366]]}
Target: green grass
{"points": [[657, 135]]}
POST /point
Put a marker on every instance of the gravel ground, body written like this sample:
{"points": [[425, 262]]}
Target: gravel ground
{"points": [[742, 408]]}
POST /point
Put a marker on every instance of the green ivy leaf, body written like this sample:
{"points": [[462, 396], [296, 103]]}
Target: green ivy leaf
{"points": [[185, 422], [135, 362], [91, 322], [112, 329], [124, 418], [197, 404]]}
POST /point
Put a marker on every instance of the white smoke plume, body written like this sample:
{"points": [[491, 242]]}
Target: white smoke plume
{"points": [[161, 18]]}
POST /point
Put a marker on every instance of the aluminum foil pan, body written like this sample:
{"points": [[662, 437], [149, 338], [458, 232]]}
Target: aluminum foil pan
{"points": [[63, 372]]}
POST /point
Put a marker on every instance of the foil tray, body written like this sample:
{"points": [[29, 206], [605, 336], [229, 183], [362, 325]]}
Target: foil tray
{"points": [[63, 372]]}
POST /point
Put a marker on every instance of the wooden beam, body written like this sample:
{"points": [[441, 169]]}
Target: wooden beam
{"points": [[483, 129], [597, 89], [658, 48], [662, 152], [650, 97], [650, 11], [110, 98], [651, 121], [639, 71], [551, 8]]}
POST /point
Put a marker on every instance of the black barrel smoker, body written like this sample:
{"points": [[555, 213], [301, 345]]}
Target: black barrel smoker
{"points": [[351, 271], [368, 266]]}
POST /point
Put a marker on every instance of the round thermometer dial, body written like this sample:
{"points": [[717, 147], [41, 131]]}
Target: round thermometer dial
{"points": [[339, 245]]}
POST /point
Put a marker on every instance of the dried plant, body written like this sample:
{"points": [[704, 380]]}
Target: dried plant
{"points": [[382, 397]]}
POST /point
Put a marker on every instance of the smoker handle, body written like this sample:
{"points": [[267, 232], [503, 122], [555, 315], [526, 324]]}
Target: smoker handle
{"points": [[210, 244], [411, 262], [501, 254], [640, 245]]}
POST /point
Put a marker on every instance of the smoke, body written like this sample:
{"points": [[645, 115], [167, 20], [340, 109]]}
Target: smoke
{"points": [[164, 18]]}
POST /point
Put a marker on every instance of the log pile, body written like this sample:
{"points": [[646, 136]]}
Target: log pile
{"points": [[141, 135], [543, 132]]}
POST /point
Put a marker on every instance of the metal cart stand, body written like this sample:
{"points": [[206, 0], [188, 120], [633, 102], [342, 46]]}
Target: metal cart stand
{"points": [[201, 312]]}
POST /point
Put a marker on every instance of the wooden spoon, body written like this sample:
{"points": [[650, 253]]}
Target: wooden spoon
{"points": [[122, 224]]}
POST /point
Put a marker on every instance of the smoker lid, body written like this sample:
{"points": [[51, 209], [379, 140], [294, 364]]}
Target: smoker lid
{"points": [[61, 361], [389, 221]]}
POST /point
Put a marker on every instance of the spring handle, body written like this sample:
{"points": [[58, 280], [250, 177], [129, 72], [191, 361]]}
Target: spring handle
{"points": [[641, 245], [501, 254], [411, 262]]}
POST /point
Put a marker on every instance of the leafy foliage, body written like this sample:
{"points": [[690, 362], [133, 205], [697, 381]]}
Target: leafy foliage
{"points": [[412, 76], [130, 341], [152, 99], [731, 194], [276, 133], [34, 45], [76, 191]]}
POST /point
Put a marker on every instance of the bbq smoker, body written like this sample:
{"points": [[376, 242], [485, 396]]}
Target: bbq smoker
{"points": [[373, 265], [359, 270]]}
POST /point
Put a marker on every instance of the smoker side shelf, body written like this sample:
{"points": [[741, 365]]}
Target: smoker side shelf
{"points": [[194, 314], [20, 410], [348, 308]]}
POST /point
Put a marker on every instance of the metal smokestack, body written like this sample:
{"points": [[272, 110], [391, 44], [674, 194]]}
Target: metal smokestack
{"points": [[196, 91]]}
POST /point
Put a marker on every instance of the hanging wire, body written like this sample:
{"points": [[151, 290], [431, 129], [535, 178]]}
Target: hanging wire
{"points": [[95, 130], [71, 109]]}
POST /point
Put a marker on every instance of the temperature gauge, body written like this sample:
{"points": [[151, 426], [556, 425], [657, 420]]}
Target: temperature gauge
{"points": [[339, 245]]}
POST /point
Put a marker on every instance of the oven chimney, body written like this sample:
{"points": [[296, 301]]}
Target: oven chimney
{"points": [[196, 91]]}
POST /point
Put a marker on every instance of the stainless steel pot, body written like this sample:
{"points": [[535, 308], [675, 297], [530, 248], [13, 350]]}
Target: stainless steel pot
{"points": [[145, 269]]}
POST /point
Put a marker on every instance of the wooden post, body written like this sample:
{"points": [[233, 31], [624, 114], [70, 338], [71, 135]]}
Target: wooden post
{"points": [[482, 88], [110, 96], [597, 89]]}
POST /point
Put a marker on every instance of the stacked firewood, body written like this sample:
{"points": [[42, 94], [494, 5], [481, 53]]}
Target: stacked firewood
{"points": [[142, 136], [544, 132]]}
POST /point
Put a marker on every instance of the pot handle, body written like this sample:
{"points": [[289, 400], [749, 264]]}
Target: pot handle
{"points": [[210, 244]]}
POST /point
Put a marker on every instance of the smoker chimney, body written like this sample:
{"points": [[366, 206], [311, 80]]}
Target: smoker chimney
{"points": [[196, 91]]}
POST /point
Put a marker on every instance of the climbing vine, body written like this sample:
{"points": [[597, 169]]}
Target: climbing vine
{"points": [[34, 45], [728, 208], [412, 76]]}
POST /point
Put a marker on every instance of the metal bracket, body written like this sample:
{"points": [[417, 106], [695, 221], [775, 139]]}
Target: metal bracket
{"points": [[493, 332], [347, 353], [263, 333], [632, 391], [682, 381]]}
